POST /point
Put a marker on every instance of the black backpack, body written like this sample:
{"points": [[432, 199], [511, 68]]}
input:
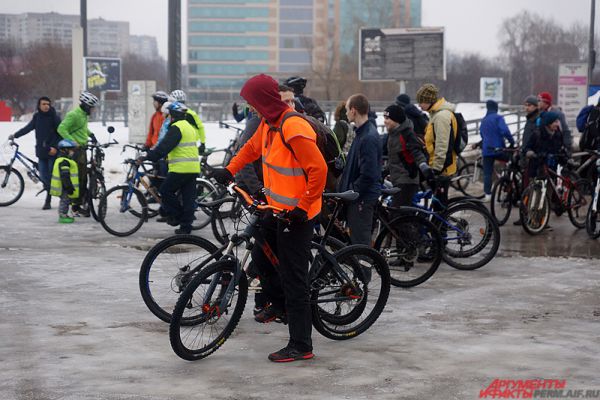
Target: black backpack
{"points": [[326, 141], [462, 137], [590, 137]]}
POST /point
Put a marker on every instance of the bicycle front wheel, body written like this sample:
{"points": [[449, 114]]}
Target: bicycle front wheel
{"points": [[123, 210], [12, 185], [413, 249], [534, 210], [580, 196], [96, 191], [207, 323], [167, 269], [347, 297], [472, 236], [502, 200], [205, 191]]}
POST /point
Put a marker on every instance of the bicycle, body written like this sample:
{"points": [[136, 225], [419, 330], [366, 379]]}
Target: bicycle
{"points": [[342, 287], [469, 232], [12, 184], [592, 220], [96, 183], [507, 190], [570, 193]]}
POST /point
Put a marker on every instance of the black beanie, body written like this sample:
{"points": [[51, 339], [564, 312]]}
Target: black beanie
{"points": [[403, 100], [395, 113]]}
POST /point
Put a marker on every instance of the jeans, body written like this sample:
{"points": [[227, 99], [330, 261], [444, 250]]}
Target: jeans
{"points": [[359, 217], [184, 185], [488, 171], [286, 286], [45, 166]]}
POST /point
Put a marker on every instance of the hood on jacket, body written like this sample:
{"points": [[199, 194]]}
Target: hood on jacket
{"points": [[441, 105], [262, 93]]}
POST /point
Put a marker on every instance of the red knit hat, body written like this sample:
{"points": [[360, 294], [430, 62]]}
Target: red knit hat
{"points": [[545, 97]]}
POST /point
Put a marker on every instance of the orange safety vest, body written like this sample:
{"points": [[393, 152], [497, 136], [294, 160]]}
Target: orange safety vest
{"points": [[284, 178]]}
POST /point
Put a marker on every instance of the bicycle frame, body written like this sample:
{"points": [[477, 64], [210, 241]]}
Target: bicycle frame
{"points": [[30, 165], [428, 195]]}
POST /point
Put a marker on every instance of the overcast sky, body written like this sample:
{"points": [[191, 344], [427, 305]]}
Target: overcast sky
{"points": [[471, 25]]}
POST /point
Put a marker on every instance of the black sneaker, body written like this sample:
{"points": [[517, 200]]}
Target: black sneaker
{"points": [[517, 223], [172, 221], [269, 314], [161, 219], [183, 231], [289, 354]]}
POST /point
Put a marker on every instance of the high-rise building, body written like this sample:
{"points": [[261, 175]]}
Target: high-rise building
{"points": [[231, 40], [105, 38]]}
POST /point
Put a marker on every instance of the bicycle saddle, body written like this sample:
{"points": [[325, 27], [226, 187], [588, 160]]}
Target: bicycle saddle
{"points": [[216, 203], [349, 195]]}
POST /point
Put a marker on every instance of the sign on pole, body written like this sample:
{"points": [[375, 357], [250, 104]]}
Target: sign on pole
{"points": [[401, 54], [572, 89], [491, 89], [102, 74]]}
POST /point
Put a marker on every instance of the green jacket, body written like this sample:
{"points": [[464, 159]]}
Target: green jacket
{"points": [[196, 124], [75, 126]]}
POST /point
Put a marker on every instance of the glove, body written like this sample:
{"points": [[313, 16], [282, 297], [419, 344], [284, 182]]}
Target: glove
{"points": [[145, 148], [530, 154], [140, 160], [297, 216], [234, 109], [222, 175], [201, 148], [260, 195], [69, 189], [11, 137], [428, 174], [93, 138]]}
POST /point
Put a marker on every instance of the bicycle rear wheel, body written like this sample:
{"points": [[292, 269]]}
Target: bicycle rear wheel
{"points": [[123, 210], [413, 249], [471, 181], [12, 185], [472, 237], [207, 326], [205, 191], [348, 297], [502, 200], [534, 210], [168, 267], [580, 196]]}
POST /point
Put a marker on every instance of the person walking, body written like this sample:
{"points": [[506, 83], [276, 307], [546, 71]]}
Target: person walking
{"points": [[294, 178], [363, 170], [180, 146], [45, 121], [494, 132], [75, 128]]}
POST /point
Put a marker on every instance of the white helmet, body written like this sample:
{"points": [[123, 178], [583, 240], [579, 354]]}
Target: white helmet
{"points": [[88, 99], [178, 95]]}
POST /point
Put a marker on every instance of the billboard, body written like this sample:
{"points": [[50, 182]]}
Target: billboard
{"points": [[401, 54], [102, 74], [572, 89], [491, 89]]}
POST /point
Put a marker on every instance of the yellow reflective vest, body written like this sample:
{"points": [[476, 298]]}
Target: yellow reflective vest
{"points": [[185, 159], [56, 183]]}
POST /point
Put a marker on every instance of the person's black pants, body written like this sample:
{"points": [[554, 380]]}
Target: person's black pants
{"points": [[185, 186], [80, 158], [286, 286]]}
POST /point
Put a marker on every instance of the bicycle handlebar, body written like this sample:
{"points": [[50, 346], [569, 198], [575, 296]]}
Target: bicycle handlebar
{"points": [[133, 146], [233, 188]]}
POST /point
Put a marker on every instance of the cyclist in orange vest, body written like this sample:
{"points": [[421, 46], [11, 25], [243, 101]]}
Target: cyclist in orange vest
{"points": [[293, 180]]}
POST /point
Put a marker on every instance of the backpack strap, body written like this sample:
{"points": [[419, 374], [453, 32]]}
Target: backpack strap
{"points": [[280, 128]]}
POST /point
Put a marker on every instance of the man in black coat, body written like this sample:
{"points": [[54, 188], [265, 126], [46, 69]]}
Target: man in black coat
{"points": [[44, 122]]}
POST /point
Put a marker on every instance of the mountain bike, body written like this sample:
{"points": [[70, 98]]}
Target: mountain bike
{"points": [[348, 288], [12, 183], [560, 191], [592, 221], [96, 183], [506, 191]]}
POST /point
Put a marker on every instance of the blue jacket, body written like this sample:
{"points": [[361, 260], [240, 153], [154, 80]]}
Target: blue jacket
{"points": [[493, 131], [582, 117], [363, 164], [46, 136]]}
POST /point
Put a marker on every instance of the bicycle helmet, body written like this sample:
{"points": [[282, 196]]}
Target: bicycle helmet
{"points": [[160, 96], [178, 95], [88, 99], [66, 144], [297, 83], [177, 110]]}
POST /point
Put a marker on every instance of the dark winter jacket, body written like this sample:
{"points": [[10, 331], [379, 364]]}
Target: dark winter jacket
{"points": [[311, 107], [529, 128], [543, 143], [493, 132], [564, 128], [418, 118], [582, 117], [401, 170], [46, 136], [363, 164]]}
